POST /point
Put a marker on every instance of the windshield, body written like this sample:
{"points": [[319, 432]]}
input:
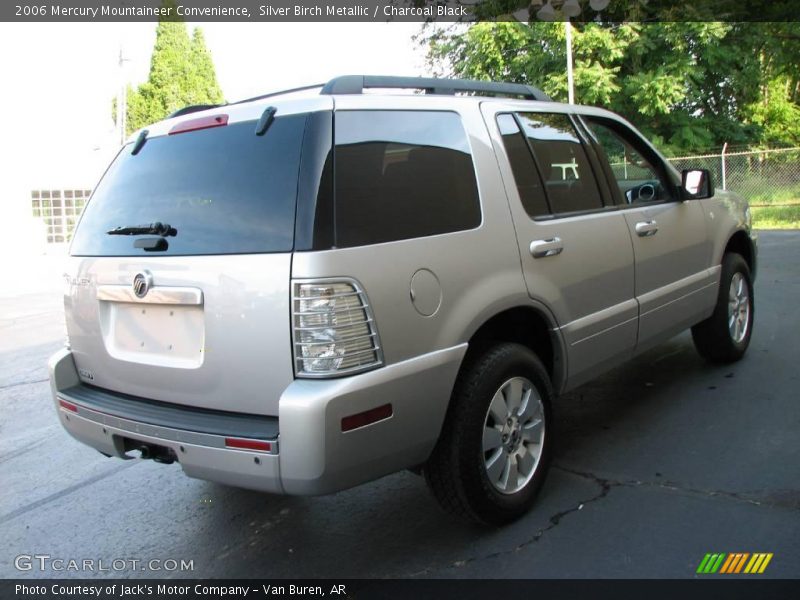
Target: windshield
{"points": [[224, 190]]}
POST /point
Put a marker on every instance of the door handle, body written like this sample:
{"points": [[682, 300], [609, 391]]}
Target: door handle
{"points": [[646, 228], [544, 248]]}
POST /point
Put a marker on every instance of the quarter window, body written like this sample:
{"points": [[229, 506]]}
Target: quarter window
{"points": [[529, 184], [401, 175]]}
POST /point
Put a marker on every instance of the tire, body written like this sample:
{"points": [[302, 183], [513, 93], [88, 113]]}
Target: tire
{"points": [[502, 391], [725, 335]]}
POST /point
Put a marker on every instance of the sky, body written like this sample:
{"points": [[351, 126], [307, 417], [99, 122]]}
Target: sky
{"points": [[59, 79]]}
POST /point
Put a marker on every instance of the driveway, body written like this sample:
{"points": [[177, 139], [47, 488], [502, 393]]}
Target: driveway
{"points": [[658, 463]]}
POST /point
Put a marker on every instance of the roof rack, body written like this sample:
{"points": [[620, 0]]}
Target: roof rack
{"points": [[192, 109], [356, 84], [279, 93]]}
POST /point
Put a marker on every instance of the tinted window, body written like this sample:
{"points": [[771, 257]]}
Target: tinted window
{"points": [[637, 178], [529, 184], [225, 190], [400, 175], [562, 160]]}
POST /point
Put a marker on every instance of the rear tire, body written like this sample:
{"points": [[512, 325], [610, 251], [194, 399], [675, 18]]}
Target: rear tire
{"points": [[494, 450], [725, 335]]}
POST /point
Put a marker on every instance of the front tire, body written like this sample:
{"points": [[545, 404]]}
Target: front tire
{"points": [[494, 451], [725, 335]]}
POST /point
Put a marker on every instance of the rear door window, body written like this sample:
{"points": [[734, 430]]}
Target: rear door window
{"points": [[225, 190], [402, 175]]}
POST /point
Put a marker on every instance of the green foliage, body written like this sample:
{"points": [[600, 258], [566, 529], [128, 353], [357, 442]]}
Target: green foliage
{"points": [[689, 85], [181, 73]]}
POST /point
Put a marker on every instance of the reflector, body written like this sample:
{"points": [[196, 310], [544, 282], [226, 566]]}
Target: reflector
{"points": [[248, 444], [365, 418]]}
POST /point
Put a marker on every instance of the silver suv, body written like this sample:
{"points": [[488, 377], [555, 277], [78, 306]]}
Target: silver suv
{"points": [[305, 291]]}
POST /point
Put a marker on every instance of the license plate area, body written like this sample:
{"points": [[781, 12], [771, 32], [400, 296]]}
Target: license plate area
{"points": [[153, 334]]}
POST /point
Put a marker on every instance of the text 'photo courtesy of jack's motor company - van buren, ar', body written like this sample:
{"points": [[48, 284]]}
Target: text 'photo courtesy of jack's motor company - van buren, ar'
{"points": [[146, 590]]}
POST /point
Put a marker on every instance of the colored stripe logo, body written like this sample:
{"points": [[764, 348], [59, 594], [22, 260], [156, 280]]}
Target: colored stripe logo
{"points": [[735, 562]]}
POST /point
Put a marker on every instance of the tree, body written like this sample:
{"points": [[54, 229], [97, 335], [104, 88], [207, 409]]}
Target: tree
{"points": [[690, 86], [181, 73]]}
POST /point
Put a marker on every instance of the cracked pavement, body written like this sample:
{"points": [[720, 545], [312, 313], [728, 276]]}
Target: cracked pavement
{"points": [[656, 463]]}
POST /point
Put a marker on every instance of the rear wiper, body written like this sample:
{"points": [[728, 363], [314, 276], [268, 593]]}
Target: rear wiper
{"points": [[157, 228]]}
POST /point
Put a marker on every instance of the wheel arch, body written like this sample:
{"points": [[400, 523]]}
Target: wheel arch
{"points": [[740, 243], [530, 327]]}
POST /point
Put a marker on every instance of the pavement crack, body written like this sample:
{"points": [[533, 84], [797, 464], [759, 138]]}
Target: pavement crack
{"points": [[554, 520], [751, 499], [605, 484]]}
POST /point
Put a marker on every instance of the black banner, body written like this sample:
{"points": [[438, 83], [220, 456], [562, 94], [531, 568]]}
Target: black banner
{"points": [[416, 589], [397, 10]]}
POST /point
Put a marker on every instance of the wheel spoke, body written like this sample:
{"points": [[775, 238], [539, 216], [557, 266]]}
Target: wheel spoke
{"points": [[531, 406], [506, 471], [498, 409], [513, 394], [492, 438], [496, 465], [532, 432], [526, 461], [510, 475]]}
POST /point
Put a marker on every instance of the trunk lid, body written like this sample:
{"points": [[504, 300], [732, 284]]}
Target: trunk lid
{"points": [[178, 286], [211, 332]]}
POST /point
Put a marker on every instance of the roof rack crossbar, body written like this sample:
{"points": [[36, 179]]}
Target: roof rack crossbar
{"points": [[356, 84]]}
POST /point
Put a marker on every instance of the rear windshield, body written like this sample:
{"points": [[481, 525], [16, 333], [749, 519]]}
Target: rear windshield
{"points": [[224, 190]]}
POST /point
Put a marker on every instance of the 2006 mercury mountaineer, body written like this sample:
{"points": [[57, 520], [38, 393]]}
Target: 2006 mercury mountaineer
{"points": [[305, 291]]}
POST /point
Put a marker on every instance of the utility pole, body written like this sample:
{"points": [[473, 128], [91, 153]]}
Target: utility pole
{"points": [[569, 9], [122, 99], [570, 79]]}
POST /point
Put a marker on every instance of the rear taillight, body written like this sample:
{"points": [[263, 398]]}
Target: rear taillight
{"points": [[333, 329]]}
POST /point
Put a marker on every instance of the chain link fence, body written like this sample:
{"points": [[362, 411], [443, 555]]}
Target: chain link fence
{"points": [[764, 177]]}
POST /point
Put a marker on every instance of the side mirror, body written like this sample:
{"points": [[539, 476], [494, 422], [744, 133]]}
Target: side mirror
{"points": [[696, 184]]}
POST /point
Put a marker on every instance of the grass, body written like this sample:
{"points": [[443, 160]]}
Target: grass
{"points": [[776, 217], [774, 205], [769, 193]]}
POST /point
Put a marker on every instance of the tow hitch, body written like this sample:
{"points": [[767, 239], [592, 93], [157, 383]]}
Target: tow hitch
{"points": [[159, 454]]}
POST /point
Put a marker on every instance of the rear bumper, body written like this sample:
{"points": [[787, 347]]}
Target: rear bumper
{"points": [[310, 454]]}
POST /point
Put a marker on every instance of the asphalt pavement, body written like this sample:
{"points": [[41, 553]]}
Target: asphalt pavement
{"points": [[658, 462]]}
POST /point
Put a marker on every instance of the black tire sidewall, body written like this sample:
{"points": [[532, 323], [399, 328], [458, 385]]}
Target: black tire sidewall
{"points": [[511, 360], [732, 264], [712, 337]]}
